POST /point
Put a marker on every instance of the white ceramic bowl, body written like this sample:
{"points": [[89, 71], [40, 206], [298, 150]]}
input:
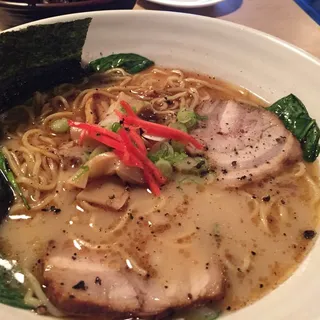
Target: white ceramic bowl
{"points": [[267, 66]]}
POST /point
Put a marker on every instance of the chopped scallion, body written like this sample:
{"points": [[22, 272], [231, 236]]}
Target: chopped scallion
{"points": [[115, 126], [80, 173], [179, 126], [122, 109], [200, 117], [196, 165], [165, 151], [188, 118], [60, 125], [177, 146], [165, 167], [98, 150]]}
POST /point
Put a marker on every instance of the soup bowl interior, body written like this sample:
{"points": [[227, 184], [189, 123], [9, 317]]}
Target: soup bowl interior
{"points": [[267, 66]]}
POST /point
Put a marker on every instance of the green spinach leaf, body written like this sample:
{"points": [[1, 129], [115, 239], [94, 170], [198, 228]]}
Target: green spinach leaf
{"points": [[6, 171], [130, 62], [294, 115], [199, 313], [6, 196], [12, 292]]}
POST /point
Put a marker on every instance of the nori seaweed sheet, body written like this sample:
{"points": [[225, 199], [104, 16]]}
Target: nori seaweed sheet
{"points": [[39, 58]]}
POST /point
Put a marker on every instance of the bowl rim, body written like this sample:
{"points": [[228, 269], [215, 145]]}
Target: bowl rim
{"points": [[81, 3], [171, 14]]}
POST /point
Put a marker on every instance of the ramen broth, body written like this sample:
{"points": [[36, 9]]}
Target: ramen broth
{"points": [[256, 232]]}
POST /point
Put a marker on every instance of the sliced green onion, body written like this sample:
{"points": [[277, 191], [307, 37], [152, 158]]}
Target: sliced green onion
{"points": [[186, 166], [189, 179], [115, 126], [10, 177], [165, 167], [122, 109], [160, 150], [196, 165], [80, 173], [177, 157], [179, 126], [200, 117], [188, 118], [165, 151], [177, 146], [60, 125], [86, 156], [97, 151]]}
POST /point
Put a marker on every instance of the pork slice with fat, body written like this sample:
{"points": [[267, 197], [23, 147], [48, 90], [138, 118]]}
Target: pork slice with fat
{"points": [[89, 282], [245, 143]]}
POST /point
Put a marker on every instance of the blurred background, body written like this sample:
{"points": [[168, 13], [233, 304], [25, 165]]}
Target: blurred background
{"points": [[15, 12]]}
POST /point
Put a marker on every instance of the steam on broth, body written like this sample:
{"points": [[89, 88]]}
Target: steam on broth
{"points": [[200, 241]]}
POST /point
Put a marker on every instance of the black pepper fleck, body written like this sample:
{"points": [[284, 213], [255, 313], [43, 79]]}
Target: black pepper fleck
{"points": [[52, 209], [266, 199], [80, 286], [98, 281], [309, 234], [200, 164]]}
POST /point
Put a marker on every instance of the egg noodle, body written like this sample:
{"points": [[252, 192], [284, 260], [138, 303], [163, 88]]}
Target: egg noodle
{"points": [[35, 161]]}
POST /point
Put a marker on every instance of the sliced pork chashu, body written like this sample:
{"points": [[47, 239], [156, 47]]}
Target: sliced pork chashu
{"points": [[245, 143], [87, 281]]}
